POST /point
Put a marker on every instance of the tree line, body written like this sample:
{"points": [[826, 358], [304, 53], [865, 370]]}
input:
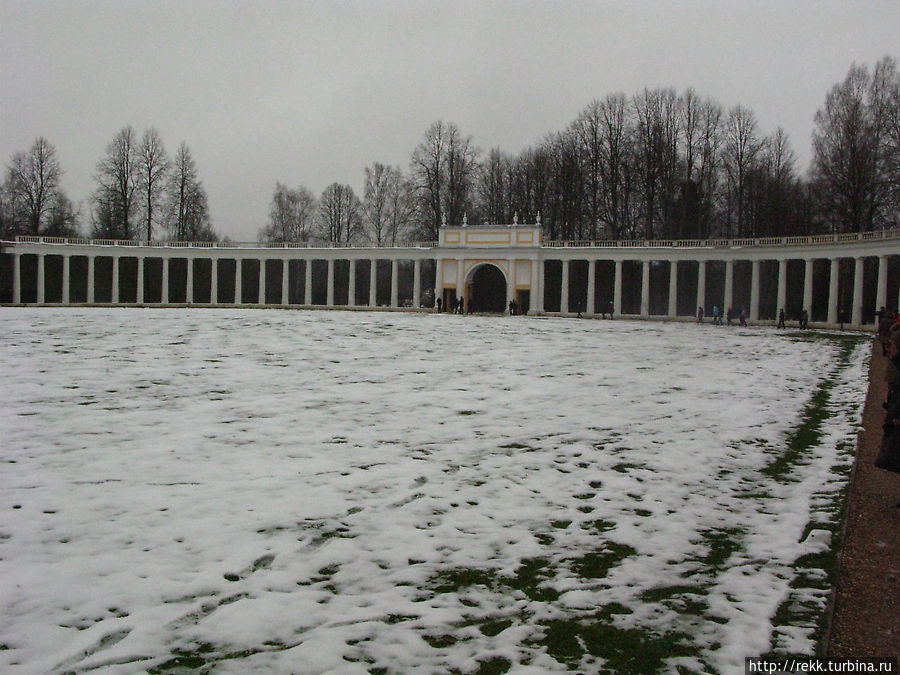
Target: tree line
{"points": [[141, 193], [657, 164]]}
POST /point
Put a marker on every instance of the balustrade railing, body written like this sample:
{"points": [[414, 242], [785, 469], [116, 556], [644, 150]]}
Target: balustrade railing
{"points": [[75, 241], [745, 242]]}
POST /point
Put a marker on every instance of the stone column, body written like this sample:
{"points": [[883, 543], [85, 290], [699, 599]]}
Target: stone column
{"points": [[645, 288], [673, 289], [808, 286], [856, 313], [115, 280], [395, 274], [617, 289], [782, 286], [40, 279], [238, 291], [438, 280], [329, 298], [564, 289], [189, 285], [591, 290], [373, 279], [510, 284], [65, 280], [307, 292], [728, 300], [417, 283], [881, 288], [351, 284], [285, 286], [140, 280], [261, 300], [701, 286], [754, 291], [833, 291], [164, 291], [17, 277], [90, 280], [214, 282], [536, 298]]}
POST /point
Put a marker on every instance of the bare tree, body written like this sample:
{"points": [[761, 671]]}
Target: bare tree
{"points": [[741, 149], [388, 204], [152, 169], [427, 165], [563, 217], [402, 208], [462, 159], [494, 187], [443, 167], [589, 130], [32, 186], [616, 167], [291, 215], [117, 179], [339, 212], [854, 162], [188, 208]]}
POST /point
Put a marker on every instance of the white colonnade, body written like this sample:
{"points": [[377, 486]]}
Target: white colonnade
{"points": [[215, 274]]}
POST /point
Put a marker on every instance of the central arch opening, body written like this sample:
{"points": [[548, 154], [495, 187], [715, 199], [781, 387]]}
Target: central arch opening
{"points": [[487, 290]]}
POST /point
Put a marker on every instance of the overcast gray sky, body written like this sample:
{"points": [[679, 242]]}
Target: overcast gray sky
{"points": [[313, 92]]}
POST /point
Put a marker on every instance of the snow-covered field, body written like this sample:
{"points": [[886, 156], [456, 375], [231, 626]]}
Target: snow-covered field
{"points": [[292, 491]]}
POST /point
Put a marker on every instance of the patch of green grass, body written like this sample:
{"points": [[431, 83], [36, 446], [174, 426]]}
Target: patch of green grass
{"points": [[809, 432], [721, 543], [440, 641], [599, 526], [516, 446], [624, 651], [530, 578], [816, 573], [459, 578], [494, 666], [597, 564], [492, 627], [680, 598], [624, 467]]}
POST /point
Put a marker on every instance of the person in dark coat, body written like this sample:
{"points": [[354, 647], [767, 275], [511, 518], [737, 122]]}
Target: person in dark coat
{"points": [[884, 331], [889, 455]]}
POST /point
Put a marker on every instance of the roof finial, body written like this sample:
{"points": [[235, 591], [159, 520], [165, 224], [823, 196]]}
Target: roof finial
{"points": [[465, 220], [444, 219], [516, 218], [538, 221]]}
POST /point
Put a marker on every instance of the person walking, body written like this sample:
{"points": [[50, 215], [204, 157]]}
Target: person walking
{"points": [[781, 318]]}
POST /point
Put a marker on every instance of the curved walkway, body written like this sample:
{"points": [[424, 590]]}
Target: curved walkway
{"points": [[866, 618]]}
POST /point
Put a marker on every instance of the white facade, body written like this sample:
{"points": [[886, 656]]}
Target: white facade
{"points": [[517, 251]]}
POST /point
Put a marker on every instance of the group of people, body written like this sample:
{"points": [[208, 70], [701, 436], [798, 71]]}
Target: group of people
{"points": [[459, 307], [730, 315], [802, 320]]}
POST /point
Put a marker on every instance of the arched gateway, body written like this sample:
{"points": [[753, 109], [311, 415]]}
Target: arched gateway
{"points": [[833, 277]]}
